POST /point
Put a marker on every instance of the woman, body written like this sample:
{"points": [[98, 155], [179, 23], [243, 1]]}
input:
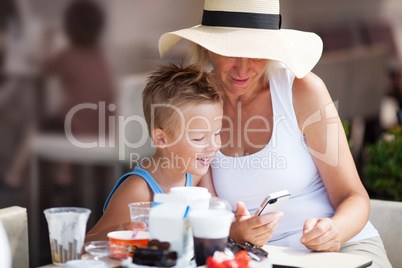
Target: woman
{"points": [[281, 131]]}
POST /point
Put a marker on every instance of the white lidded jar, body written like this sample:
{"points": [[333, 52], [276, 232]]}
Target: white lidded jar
{"points": [[197, 198], [168, 222]]}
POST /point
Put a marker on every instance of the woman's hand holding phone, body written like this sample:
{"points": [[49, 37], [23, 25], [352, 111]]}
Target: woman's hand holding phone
{"points": [[256, 230], [273, 203]]}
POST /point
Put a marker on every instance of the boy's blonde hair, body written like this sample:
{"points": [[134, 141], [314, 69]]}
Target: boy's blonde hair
{"points": [[172, 87]]}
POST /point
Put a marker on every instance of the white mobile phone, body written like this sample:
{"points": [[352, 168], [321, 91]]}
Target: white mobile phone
{"points": [[272, 203]]}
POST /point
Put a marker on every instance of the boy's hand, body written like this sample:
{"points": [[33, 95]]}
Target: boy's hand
{"points": [[257, 229]]}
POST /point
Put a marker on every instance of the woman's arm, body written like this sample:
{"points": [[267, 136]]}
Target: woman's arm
{"points": [[319, 121], [117, 213]]}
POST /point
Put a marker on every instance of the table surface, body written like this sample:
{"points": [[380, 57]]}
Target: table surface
{"points": [[291, 257], [308, 259]]}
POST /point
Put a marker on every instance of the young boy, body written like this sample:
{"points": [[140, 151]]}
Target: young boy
{"points": [[183, 110]]}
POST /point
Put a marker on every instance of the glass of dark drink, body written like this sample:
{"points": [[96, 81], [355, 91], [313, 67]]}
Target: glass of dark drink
{"points": [[210, 232]]}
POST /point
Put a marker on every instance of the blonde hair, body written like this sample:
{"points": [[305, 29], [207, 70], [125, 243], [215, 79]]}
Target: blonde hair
{"points": [[199, 56], [171, 87]]}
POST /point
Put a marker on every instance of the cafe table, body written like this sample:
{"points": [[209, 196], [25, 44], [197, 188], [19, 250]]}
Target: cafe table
{"points": [[291, 257]]}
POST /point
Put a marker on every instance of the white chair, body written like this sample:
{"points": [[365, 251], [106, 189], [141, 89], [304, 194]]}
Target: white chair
{"points": [[5, 251], [15, 222], [386, 216]]}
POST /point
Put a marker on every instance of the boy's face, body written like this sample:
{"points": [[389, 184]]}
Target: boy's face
{"points": [[197, 137]]}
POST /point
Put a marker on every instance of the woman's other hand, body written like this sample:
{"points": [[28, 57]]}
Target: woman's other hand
{"points": [[321, 235], [257, 229]]}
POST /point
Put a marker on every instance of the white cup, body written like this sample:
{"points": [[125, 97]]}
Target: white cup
{"points": [[210, 231]]}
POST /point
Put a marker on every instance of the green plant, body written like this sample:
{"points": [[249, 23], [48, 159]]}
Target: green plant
{"points": [[346, 128], [383, 171]]}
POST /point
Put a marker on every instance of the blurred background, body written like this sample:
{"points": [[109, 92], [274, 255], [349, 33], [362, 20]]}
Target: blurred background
{"points": [[57, 54]]}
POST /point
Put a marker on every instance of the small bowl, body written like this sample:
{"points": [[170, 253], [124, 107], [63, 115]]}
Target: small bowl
{"points": [[98, 249], [129, 240]]}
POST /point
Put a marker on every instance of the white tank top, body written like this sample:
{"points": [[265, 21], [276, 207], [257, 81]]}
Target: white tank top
{"points": [[285, 163]]}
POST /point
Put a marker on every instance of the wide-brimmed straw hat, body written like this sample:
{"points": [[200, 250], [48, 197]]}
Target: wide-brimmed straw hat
{"points": [[249, 29]]}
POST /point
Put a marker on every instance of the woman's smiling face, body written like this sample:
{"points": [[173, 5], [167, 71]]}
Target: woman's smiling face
{"points": [[238, 76]]}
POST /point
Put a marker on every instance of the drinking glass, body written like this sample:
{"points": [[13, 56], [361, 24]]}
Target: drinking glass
{"points": [[139, 215], [67, 227]]}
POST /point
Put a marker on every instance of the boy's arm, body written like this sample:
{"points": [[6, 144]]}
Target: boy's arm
{"points": [[117, 213], [206, 181]]}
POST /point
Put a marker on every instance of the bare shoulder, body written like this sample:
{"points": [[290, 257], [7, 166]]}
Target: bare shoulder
{"points": [[309, 88], [134, 188], [309, 95]]}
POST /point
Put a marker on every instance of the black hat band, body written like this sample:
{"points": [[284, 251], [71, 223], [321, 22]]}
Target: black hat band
{"points": [[241, 20]]}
